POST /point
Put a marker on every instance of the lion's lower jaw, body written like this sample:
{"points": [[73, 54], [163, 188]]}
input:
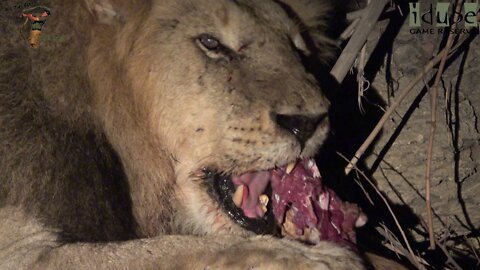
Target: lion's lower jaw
{"points": [[207, 221], [200, 215]]}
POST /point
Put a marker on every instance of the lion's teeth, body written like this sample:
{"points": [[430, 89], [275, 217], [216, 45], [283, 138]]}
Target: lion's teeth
{"points": [[361, 220], [288, 227], [263, 199], [264, 209], [238, 196], [290, 167]]}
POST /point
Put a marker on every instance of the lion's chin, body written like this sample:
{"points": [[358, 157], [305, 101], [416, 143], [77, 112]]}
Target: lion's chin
{"points": [[290, 201]]}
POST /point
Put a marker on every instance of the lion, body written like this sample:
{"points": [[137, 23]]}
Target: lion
{"points": [[113, 138]]}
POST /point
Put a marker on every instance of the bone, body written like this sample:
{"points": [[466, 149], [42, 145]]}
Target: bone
{"points": [[238, 196]]}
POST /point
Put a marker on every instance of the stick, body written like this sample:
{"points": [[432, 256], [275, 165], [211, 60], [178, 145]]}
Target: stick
{"points": [[361, 79], [471, 247], [357, 14], [449, 257], [367, 22], [397, 247], [394, 105], [350, 30], [360, 76], [397, 223], [433, 123]]}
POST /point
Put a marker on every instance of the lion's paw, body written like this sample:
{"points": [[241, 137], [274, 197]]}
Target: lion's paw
{"points": [[268, 253]]}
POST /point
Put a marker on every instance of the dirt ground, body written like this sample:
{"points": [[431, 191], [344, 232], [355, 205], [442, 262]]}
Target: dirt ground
{"points": [[455, 179], [397, 161]]}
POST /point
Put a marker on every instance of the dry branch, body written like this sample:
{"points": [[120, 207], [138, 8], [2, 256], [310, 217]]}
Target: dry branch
{"points": [[397, 223], [357, 14], [349, 54], [348, 32], [395, 104], [433, 121], [361, 24], [449, 257], [396, 246]]}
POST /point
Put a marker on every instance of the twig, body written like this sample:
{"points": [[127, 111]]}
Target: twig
{"points": [[356, 179], [428, 202], [361, 150], [354, 15], [441, 242], [472, 248], [408, 253], [348, 32], [397, 223], [433, 123], [449, 257], [393, 243], [349, 54], [397, 247], [361, 81]]}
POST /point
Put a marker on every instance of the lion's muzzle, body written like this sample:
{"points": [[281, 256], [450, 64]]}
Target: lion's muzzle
{"points": [[301, 126]]}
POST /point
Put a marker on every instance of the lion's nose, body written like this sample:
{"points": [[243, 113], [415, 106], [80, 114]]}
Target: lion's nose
{"points": [[301, 126]]}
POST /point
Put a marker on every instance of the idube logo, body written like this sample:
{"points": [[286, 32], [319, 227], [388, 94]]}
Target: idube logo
{"points": [[434, 18], [37, 16]]}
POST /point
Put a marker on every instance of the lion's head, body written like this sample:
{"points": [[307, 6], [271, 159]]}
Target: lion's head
{"points": [[198, 93]]}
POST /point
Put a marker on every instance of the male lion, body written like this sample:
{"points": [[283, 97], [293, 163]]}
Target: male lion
{"points": [[113, 139]]}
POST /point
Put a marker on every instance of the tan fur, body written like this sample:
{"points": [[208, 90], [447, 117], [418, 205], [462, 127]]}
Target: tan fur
{"points": [[236, 134], [379, 262], [144, 98]]}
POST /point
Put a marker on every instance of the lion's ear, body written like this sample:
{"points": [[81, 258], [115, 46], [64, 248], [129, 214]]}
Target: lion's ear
{"points": [[103, 10]]}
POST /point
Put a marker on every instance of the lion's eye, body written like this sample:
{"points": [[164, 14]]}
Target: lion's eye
{"points": [[210, 43]]}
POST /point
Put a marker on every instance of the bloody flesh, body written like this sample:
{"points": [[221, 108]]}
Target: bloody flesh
{"points": [[301, 199], [305, 209]]}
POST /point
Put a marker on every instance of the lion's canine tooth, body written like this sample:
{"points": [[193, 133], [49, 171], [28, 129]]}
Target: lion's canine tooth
{"points": [[238, 196], [263, 199], [290, 167], [264, 209]]}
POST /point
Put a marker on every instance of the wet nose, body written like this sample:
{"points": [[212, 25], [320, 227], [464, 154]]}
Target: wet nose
{"points": [[301, 126]]}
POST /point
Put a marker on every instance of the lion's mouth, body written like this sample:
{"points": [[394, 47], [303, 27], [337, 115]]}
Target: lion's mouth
{"points": [[289, 201]]}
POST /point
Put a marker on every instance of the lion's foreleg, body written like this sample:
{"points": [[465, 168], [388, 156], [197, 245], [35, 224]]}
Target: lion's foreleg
{"points": [[27, 244]]}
